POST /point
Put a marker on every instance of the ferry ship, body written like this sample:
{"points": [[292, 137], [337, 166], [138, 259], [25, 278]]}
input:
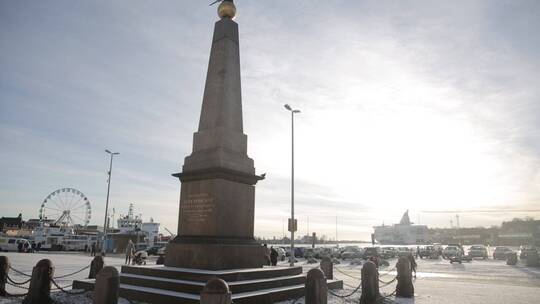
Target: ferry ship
{"points": [[404, 233]]}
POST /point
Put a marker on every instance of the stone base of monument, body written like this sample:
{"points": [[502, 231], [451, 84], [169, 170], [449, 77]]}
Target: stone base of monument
{"points": [[162, 284], [214, 256]]}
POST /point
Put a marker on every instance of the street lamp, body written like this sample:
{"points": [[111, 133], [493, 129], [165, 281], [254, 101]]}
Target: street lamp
{"points": [[292, 222], [107, 202]]}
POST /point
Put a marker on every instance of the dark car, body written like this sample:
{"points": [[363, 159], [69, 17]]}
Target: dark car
{"points": [[371, 252], [153, 250], [525, 250], [427, 252], [501, 253], [478, 251]]}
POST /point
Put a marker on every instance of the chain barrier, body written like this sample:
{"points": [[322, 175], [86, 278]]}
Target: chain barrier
{"points": [[384, 298], [17, 286], [387, 272], [71, 274], [20, 272], [62, 289], [348, 295], [344, 273], [387, 283], [16, 295], [18, 283]]}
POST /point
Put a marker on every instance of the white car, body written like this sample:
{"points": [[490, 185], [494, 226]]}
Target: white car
{"points": [[12, 243], [281, 253]]}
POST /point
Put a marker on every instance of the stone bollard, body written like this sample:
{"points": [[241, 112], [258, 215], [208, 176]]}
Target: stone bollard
{"points": [[95, 266], [40, 283], [532, 259], [327, 267], [370, 284], [4, 270], [512, 259], [216, 291], [404, 288], [316, 288], [107, 286]]}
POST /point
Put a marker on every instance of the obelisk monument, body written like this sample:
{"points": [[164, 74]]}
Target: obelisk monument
{"points": [[217, 200]]}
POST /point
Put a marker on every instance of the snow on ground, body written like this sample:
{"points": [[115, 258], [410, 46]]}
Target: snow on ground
{"points": [[440, 282], [437, 281]]}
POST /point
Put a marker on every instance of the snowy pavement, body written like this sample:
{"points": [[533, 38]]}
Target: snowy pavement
{"points": [[437, 281]]}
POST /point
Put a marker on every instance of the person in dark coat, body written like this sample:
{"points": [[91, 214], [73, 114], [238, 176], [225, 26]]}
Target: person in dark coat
{"points": [[273, 256], [266, 254], [93, 249], [413, 264], [20, 246]]}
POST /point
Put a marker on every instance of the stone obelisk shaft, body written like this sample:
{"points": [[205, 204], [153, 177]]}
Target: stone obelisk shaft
{"points": [[217, 200], [220, 141]]}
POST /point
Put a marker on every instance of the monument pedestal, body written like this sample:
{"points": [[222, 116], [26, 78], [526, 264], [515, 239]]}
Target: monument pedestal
{"points": [[206, 254], [216, 221]]}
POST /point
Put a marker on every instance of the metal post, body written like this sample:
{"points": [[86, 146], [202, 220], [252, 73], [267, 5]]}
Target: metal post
{"points": [[292, 224], [291, 262], [107, 201]]}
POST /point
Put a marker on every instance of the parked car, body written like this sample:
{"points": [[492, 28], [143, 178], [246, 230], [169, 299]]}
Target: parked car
{"points": [[12, 243], [281, 253], [371, 252], [478, 251], [388, 252], [428, 252], [451, 251], [309, 253], [525, 250], [403, 251], [501, 253], [352, 253], [154, 250]]}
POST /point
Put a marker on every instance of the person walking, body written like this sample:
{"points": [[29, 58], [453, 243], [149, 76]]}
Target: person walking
{"points": [[266, 254], [413, 264], [129, 252], [93, 249], [273, 256]]}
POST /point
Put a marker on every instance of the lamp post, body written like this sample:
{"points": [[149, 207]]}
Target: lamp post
{"points": [[292, 222], [107, 201]]}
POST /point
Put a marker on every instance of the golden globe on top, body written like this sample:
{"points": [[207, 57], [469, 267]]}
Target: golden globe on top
{"points": [[226, 9]]}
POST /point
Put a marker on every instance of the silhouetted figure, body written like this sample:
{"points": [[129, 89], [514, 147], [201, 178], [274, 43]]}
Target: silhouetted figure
{"points": [[273, 256], [130, 248], [20, 246], [413, 264], [93, 249], [266, 254]]}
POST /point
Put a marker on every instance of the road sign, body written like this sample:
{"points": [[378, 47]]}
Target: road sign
{"points": [[290, 226]]}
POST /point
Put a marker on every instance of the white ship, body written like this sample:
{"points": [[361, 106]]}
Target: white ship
{"points": [[404, 233]]}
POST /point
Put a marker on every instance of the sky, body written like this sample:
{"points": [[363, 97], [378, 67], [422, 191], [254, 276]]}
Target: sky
{"points": [[431, 106]]}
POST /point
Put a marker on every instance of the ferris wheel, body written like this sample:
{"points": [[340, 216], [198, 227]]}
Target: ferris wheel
{"points": [[67, 207]]}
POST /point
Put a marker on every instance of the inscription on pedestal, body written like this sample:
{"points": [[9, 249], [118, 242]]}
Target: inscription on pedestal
{"points": [[197, 207]]}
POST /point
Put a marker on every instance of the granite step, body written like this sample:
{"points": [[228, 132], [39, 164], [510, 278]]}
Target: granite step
{"points": [[161, 296], [200, 275], [196, 287]]}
